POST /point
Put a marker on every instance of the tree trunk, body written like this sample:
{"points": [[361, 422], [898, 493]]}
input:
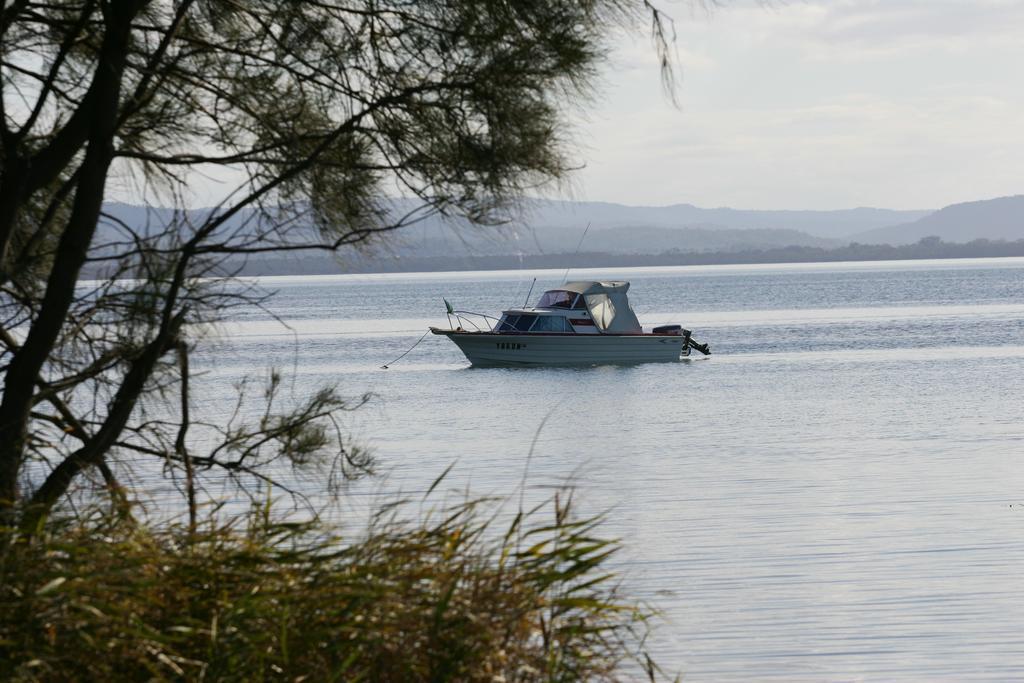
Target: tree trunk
{"points": [[28, 361], [11, 182]]}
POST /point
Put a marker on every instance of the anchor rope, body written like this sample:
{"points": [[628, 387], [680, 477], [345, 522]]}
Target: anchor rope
{"points": [[385, 366]]}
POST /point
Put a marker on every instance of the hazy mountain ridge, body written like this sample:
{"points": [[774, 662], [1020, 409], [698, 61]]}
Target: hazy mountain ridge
{"points": [[549, 227], [543, 227], [1001, 218], [838, 223], [444, 240]]}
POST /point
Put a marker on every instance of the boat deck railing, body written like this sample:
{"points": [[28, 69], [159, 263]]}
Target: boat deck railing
{"points": [[470, 318]]}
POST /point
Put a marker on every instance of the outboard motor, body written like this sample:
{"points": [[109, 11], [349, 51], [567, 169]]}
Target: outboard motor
{"points": [[688, 342], [691, 343]]}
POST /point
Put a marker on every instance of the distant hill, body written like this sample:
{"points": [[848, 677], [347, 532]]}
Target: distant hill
{"points": [[550, 226], [437, 239], [545, 219], [829, 224], [555, 227], [993, 219], [547, 234], [547, 226]]}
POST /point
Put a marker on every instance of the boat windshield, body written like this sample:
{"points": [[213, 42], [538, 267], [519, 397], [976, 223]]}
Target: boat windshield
{"points": [[534, 323], [557, 298], [551, 323], [516, 323]]}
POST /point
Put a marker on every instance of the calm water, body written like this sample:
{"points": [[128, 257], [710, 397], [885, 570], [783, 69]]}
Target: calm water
{"points": [[836, 494]]}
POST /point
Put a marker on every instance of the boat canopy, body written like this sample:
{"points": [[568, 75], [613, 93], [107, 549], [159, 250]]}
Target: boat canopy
{"points": [[608, 305]]}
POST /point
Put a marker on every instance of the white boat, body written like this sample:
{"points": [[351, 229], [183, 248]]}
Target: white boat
{"points": [[577, 323]]}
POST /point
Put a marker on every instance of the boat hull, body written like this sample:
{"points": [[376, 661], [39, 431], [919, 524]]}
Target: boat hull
{"points": [[489, 349]]}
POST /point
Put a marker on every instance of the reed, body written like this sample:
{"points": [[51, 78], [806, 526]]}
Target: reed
{"points": [[446, 596]]}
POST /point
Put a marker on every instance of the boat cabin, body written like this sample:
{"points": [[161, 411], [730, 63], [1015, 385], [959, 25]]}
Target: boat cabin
{"points": [[575, 308]]}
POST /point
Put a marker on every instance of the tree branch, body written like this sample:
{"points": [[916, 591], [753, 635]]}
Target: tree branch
{"points": [[19, 381], [118, 413]]}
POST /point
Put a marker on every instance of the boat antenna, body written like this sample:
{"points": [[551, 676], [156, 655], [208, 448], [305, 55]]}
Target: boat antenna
{"points": [[527, 302], [565, 278]]}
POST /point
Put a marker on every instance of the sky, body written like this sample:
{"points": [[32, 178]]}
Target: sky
{"points": [[814, 104]]}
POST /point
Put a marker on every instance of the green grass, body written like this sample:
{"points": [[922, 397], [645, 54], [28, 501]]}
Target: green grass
{"points": [[445, 597]]}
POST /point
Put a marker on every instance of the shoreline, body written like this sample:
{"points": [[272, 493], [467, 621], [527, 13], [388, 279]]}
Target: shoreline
{"points": [[921, 251]]}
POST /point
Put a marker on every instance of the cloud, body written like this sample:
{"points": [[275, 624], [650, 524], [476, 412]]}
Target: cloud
{"points": [[878, 29], [901, 103]]}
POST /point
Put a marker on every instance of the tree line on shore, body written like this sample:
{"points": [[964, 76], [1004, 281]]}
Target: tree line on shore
{"points": [[927, 248]]}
